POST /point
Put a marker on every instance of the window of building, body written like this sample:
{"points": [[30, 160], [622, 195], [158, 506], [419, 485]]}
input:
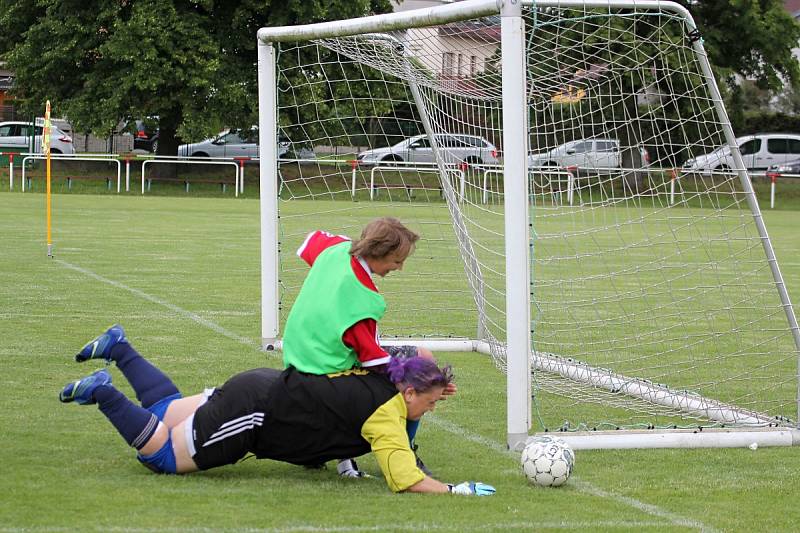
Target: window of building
{"points": [[448, 58]]}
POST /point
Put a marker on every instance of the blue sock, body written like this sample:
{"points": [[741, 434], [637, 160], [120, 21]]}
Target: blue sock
{"points": [[135, 424], [411, 429], [150, 384]]}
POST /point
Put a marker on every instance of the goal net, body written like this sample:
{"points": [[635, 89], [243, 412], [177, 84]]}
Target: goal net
{"points": [[652, 297]]}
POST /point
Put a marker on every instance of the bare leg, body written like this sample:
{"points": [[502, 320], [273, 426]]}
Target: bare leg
{"points": [[183, 462], [178, 410]]}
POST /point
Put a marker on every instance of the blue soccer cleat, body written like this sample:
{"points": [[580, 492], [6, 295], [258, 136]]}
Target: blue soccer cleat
{"points": [[82, 391], [100, 347]]}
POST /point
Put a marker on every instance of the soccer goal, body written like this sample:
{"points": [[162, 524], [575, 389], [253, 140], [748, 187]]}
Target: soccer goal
{"points": [[544, 152]]}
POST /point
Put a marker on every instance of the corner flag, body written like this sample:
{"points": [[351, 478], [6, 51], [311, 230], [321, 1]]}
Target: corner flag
{"points": [[46, 130], [46, 150]]}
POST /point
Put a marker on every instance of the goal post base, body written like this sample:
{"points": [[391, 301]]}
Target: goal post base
{"points": [[679, 438], [517, 441], [433, 344], [270, 344]]}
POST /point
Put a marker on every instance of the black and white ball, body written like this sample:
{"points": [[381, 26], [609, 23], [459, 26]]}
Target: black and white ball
{"points": [[547, 461]]}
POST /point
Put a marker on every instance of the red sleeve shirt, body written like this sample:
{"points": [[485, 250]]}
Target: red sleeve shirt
{"points": [[363, 335]]}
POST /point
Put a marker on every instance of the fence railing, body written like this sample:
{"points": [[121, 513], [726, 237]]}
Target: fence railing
{"points": [[118, 159], [570, 175]]}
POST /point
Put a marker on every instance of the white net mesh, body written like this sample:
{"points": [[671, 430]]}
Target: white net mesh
{"points": [[653, 303]]}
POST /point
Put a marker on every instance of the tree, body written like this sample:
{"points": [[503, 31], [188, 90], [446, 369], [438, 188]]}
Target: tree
{"points": [[192, 64], [751, 38]]}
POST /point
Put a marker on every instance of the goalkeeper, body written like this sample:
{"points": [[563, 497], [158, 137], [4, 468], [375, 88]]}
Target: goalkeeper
{"points": [[286, 416], [333, 324]]}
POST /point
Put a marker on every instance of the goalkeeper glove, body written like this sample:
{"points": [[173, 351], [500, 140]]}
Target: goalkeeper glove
{"points": [[469, 488]]}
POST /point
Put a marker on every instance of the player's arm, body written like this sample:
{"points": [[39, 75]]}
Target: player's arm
{"points": [[385, 432], [362, 337], [429, 485], [317, 242]]}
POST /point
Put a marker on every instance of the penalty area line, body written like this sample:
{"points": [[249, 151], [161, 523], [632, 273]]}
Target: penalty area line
{"points": [[194, 317]]}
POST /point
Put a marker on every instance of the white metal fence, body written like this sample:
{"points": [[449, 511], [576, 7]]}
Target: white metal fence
{"points": [[490, 186]]}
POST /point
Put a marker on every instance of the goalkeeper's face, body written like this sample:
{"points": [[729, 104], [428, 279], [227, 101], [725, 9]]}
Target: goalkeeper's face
{"points": [[419, 403]]}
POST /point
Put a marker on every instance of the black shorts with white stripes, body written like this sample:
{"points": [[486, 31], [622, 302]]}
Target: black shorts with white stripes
{"points": [[225, 427]]}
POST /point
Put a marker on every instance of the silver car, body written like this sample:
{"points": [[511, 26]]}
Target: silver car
{"points": [[230, 143], [455, 149], [19, 136], [587, 154]]}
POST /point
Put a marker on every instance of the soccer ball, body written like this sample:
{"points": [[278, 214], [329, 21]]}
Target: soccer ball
{"points": [[547, 461]]}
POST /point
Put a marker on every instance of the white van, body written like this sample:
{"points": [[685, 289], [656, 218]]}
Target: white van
{"points": [[759, 152]]}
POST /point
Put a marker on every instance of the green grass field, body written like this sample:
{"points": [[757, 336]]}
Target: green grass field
{"points": [[182, 274]]}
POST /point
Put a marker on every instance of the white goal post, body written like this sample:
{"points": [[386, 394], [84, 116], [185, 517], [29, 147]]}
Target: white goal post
{"points": [[566, 230]]}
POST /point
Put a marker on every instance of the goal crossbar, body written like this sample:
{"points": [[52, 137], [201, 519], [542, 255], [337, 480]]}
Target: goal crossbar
{"points": [[431, 16]]}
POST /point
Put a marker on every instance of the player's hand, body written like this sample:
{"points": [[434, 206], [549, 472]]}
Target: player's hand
{"points": [[426, 353], [449, 390], [472, 488]]}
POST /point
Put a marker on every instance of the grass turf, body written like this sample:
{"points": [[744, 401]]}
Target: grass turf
{"points": [[182, 275]]}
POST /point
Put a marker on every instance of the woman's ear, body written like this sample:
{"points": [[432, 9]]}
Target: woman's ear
{"points": [[409, 393]]}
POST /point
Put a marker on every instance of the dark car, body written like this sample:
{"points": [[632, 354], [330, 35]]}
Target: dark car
{"points": [[145, 135]]}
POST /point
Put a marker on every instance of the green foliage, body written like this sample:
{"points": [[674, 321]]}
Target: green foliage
{"points": [[767, 121], [752, 38], [190, 63], [315, 104], [752, 109]]}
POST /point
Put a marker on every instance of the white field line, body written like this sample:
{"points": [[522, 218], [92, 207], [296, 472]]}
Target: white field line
{"points": [[213, 326], [582, 486], [416, 526]]}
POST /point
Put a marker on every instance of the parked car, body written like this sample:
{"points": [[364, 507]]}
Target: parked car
{"points": [[759, 152], [230, 143], [145, 136], [456, 148], [587, 154], [790, 168], [17, 136]]}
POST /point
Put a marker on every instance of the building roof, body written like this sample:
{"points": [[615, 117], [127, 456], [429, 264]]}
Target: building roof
{"points": [[793, 7]]}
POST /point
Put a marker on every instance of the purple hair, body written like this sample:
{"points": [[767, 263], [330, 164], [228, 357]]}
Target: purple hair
{"points": [[421, 373]]}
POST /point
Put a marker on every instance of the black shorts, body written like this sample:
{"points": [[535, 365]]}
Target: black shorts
{"points": [[224, 429]]}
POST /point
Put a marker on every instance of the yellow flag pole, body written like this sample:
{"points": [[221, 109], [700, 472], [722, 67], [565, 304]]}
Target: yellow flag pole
{"points": [[46, 148]]}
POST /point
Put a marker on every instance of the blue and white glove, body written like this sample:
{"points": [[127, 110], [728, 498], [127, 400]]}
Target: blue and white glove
{"points": [[471, 488]]}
